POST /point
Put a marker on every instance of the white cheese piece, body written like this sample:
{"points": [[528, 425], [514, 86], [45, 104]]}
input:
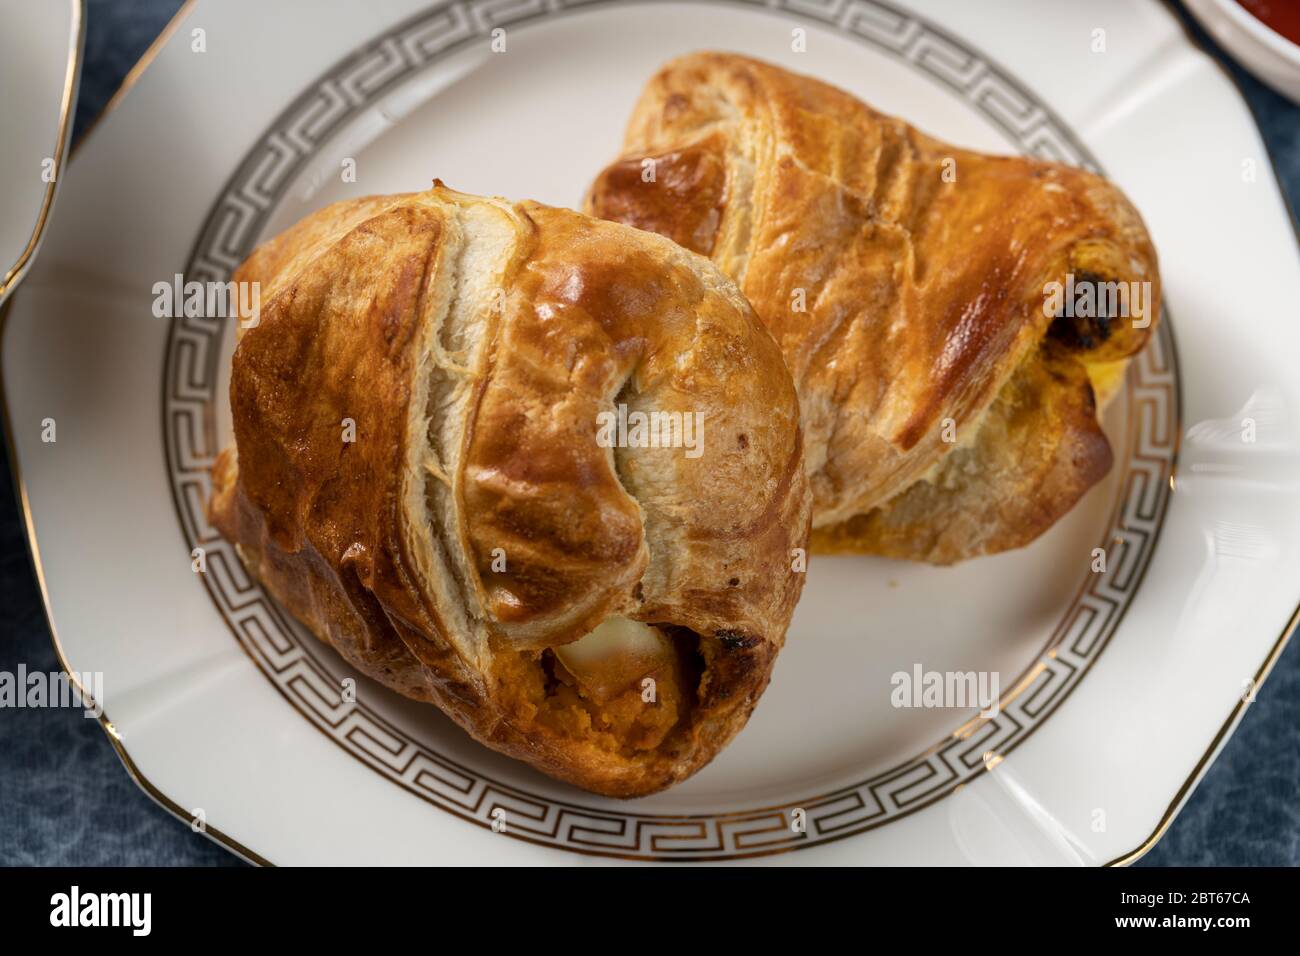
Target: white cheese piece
{"points": [[615, 656]]}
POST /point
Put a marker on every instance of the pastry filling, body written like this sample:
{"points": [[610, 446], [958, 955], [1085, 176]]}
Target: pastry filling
{"points": [[623, 687], [619, 655]]}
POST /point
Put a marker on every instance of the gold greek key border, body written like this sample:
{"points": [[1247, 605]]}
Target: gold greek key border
{"points": [[290, 658]]}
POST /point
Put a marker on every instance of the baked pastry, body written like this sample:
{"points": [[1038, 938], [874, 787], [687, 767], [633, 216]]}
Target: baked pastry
{"points": [[948, 387], [418, 474]]}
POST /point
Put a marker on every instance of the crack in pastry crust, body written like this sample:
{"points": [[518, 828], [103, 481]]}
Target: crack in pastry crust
{"points": [[905, 282], [473, 343]]}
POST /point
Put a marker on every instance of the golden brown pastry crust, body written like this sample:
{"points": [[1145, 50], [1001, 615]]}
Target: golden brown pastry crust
{"points": [[904, 297], [473, 342]]}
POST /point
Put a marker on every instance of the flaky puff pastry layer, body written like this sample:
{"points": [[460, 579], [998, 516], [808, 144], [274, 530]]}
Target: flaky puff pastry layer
{"points": [[945, 414], [475, 523]]}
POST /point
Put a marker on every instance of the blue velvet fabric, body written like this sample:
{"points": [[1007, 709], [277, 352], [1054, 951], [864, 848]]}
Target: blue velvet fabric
{"points": [[65, 798]]}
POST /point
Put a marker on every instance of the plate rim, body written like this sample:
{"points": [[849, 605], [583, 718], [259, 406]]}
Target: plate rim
{"points": [[11, 279], [69, 151], [132, 77]]}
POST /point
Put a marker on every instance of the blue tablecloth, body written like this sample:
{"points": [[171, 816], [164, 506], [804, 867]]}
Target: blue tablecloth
{"points": [[65, 798]]}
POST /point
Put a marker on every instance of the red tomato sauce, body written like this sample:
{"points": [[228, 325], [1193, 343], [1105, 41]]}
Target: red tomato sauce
{"points": [[1280, 16]]}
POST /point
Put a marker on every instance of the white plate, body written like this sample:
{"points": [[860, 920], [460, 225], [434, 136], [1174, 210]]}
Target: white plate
{"points": [[1119, 686], [40, 63]]}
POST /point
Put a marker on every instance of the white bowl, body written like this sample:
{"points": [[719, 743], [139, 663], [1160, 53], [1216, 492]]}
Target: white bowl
{"points": [[1269, 56]]}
